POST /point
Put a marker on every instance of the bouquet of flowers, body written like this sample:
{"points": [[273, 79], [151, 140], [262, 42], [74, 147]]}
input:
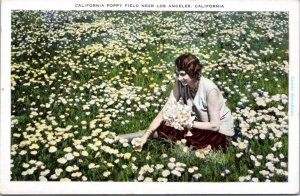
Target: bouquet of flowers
{"points": [[178, 115]]}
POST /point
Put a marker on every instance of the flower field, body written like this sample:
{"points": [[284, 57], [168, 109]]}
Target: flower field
{"points": [[81, 78]]}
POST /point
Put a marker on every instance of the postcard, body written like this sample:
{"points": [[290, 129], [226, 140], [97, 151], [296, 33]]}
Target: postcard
{"points": [[152, 97]]}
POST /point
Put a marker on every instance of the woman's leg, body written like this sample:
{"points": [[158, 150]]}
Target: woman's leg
{"points": [[203, 138], [199, 139]]}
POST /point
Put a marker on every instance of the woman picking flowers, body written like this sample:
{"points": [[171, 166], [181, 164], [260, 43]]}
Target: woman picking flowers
{"points": [[195, 111]]}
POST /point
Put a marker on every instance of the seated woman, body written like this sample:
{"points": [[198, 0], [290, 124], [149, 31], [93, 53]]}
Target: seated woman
{"points": [[213, 120]]}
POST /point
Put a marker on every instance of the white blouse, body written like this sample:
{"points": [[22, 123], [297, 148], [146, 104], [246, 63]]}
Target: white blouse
{"points": [[199, 103]]}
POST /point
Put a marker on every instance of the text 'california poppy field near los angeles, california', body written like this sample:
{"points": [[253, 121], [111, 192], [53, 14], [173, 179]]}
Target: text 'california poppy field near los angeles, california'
{"points": [[79, 79]]}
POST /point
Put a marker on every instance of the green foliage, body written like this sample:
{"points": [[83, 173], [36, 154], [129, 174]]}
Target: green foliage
{"points": [[107, 73]]}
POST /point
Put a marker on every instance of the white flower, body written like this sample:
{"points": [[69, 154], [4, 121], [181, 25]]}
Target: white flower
{"points": [[39, 163], [264, 173], [58, 171], [162, 179], [242, 179], [84, 178], [166, 173], [53, 177], [34, 146], [171, 165], [150, 170], [76, 174], [78, 147], [252, 157], [259, 157], [148, 157], [23, 152], [159, 166], [106, 174], [197, 176], [110, 165], [62, 160], [179, 169], [65, 180], [283, 164], [186, 149], [247, 177], [141, 177], [270, 157], [127, 155], [277, 145], [191, 170], [280, 171], [44, 173], [257, 164], [117, 161], [31, 170], [270, 166], [69, 169], [176, 173], [68, 149], [262, 136], [250, 171], [84, 153], [148, 179], [76, 154], [281, 156], [42, 178], [69, 156], [134, 167], [92, 165], [52, 149], [25, 165]]}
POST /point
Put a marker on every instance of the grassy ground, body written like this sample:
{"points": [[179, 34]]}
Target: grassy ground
{"points": [[81, 78]]}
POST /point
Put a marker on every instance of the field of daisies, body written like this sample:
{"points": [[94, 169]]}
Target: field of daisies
{"points": [[81, 78]]}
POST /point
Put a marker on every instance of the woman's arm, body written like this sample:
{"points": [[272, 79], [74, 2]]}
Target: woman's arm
{"points": [[153, 125], [157, 120], [213, 112]]}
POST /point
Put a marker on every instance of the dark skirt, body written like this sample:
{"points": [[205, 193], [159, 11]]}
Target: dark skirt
{"points": [[199, 139]]}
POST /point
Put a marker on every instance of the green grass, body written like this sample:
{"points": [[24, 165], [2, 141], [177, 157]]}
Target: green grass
{"points": [[54, 67]]}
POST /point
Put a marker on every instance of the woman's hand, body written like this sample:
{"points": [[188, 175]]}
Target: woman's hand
{"points": [[138, 143], [143, 141]]}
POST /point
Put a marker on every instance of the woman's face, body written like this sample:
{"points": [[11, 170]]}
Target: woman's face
{"points": [[184, 78]]}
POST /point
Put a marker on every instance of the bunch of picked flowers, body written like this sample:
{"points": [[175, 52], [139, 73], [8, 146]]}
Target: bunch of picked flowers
{"points": [[137, 144], [179, 115]]}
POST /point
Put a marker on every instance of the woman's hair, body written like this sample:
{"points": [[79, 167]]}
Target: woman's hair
{"points": [[190, 64]]}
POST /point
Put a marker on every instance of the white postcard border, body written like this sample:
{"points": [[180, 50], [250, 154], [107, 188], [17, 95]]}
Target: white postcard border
{"points": [[292, 186]]}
